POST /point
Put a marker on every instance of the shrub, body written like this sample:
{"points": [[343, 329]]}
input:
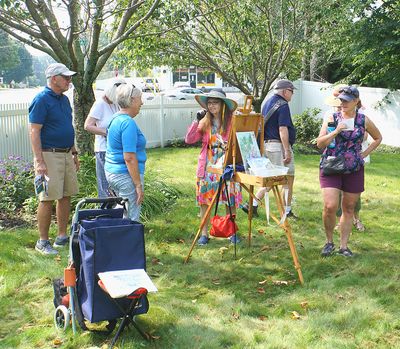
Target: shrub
{"points": [[158, 194], [16, 183], [307, 126], [388, 149]]}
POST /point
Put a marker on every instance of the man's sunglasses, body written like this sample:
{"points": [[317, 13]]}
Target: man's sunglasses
{"points": [[348, 91], [122, 83], [66, 77]]}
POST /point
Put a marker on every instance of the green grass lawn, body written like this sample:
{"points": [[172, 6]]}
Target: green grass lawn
{"points": [[215, 301]]}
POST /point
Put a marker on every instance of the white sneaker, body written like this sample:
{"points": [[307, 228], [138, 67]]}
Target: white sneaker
{"points": [[44, 247]]}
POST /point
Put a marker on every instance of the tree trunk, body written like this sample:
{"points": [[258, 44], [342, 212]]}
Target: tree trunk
{"points": [[83, 101], [313, 66], [257, 105]]}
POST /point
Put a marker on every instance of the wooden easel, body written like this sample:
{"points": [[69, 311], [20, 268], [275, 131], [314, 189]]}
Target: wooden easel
{"points": [[244, 121]]}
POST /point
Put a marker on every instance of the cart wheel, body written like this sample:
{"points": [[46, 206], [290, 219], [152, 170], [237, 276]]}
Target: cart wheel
{"points": [[61, 317]]}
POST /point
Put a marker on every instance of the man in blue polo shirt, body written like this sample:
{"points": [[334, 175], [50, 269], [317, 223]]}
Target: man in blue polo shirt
{"points": [[55, 157], [279, 137]]}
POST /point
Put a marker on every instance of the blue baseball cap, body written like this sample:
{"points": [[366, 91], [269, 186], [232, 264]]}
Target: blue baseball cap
{"points": [[348, 93]]}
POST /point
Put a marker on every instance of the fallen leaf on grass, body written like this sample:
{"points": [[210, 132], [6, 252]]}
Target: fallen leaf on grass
{"points": [[216, 281], [151, 231], [236, 316], [194, 301], [57, 342], [280, 283], [262, 317], [181, 241], [260, 290], [263, 282], [152, 336], [265, 248], [155, 261], [222, 250], [304, 304], [295, 315], [260, 231]]}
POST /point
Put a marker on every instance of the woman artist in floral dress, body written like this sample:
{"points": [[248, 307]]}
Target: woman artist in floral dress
{"points": [[212, 127]]}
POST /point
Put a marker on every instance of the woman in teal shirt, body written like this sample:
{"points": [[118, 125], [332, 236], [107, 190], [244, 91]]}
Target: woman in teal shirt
{"points": [[126, 151]]}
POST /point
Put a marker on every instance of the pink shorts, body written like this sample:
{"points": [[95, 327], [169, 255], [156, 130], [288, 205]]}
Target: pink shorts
{"points": [[349, 183]]}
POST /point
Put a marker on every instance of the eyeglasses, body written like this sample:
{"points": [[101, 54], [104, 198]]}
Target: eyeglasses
{"points": [[348, 91], [133, 87], [68, 78], [122, 83], [213, 102], [290, 90]]}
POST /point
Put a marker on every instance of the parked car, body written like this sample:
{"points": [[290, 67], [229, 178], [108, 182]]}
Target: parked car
{"points": [[182, 93], [181, 84], [150, 85]]}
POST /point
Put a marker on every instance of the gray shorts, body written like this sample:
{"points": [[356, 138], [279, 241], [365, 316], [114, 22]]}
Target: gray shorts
{"points": [[274, 152]]}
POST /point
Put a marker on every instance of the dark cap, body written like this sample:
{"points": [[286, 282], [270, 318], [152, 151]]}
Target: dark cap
{"points": [[284, 84], [348, 93]]}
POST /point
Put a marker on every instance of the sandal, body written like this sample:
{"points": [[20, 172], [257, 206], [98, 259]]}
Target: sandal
{"points": [[203, 240], [358, 224]]}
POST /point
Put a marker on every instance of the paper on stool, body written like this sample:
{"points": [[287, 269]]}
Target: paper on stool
{"points": [[121, 283]]}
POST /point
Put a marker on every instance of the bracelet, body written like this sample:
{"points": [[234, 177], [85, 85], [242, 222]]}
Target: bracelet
{"points": [[74, 153]]}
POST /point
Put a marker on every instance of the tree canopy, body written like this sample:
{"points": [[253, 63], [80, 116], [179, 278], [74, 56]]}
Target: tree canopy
{"points": [[8, 53], [249, 44], [69, 31]]}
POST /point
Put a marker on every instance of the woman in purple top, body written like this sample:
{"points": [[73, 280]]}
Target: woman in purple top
{"points": [[348, 136]]}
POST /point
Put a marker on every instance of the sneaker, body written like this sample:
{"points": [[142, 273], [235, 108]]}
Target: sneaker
{"points": [[328, 249], [245, 208], [345, 252], [44, 247], [61, 241], [203, 240], [290, 214], [234, 239], [359, 226]]}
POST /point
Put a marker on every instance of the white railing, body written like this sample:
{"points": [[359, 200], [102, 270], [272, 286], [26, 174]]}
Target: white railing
{"points": [[161, 120], [14, 136]]}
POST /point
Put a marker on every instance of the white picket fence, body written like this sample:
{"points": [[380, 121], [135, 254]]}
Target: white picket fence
{"points": [[162, 120]]}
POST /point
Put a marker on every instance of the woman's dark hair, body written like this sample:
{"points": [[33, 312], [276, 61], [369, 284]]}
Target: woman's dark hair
{"points": [[227, 115]]}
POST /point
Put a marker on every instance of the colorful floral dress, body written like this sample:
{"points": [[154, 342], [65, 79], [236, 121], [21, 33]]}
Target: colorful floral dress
{"points": [[348, 143], [208, 185]]}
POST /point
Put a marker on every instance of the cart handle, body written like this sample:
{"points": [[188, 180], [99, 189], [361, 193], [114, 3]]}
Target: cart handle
{"points": [[101, 200], [81, 203]]}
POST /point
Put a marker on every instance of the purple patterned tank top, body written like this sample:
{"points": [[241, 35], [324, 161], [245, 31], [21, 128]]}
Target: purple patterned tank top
{"points": [[348, 143]]}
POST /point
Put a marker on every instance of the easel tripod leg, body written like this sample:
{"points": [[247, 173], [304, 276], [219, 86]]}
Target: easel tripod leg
{"points": [[202, 223], [288, 230], [250, 213]]}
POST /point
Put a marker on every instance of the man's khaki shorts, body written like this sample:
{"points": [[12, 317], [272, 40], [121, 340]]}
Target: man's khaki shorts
{"points": [[63, 181], [274, 152]]}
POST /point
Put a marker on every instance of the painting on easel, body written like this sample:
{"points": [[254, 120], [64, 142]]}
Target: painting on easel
{"points": [[248, 147]]}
